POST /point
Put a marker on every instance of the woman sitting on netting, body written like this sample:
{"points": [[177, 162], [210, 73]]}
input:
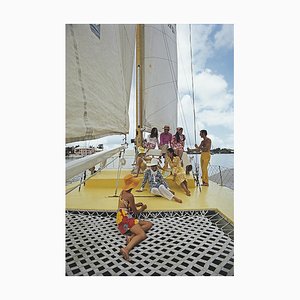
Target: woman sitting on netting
{"points": [[126, 221]]}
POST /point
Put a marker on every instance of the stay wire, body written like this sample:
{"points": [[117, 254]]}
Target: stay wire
{"points": [[182, 115], [84, 179], [193, 88]]}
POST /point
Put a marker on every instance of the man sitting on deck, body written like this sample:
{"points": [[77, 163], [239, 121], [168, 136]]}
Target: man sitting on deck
{"points": [[157, 184]]}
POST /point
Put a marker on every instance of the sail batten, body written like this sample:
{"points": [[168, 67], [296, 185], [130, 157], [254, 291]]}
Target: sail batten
{"points": [[98, 76]]}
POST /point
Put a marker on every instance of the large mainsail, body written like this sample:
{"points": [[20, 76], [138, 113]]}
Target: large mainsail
{"points": [[160, 77], [99, 60]]}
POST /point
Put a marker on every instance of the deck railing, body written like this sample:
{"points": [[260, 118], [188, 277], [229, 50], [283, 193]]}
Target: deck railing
{"points": [[218, 174], [221, 175]]}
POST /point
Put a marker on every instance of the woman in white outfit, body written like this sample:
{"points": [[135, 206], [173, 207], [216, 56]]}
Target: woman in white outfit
{"points": [[157, 184]]}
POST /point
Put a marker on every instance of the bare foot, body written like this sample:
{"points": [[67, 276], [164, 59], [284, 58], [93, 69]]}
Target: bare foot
{"points": [[204, 184], [188, 193], [177, 200], [124, 253], [128, 239]]}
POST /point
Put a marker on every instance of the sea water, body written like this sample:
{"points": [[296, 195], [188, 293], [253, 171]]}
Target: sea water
{"points": [[223, 160]]}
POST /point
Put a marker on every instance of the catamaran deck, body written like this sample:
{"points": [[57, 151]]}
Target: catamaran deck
{"points": [[190, 238], [98, 194]]}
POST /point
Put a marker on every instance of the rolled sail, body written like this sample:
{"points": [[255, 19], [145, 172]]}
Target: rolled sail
{"points": [[99, 62], [160, 77]]}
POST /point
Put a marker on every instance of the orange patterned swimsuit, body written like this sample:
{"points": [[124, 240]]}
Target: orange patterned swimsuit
{"points": [[125, 218]]}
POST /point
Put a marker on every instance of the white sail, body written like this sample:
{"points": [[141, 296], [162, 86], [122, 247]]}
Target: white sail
{"points": [[160, 77], [99, 60]]}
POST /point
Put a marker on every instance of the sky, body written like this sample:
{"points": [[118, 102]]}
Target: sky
{"points": [[212, 60], [213, 66]]}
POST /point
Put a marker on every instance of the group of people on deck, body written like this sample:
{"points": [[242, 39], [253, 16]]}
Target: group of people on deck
{"points": [[172, 147], [166, 140]]}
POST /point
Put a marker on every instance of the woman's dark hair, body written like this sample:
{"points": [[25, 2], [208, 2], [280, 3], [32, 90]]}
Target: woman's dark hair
{"points": [[154, 132], [177, 135], [171, 150]]}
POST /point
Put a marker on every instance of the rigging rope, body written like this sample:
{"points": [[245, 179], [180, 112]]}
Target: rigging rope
{"points": [[185, 123], [84, 181], [182, 116], [192, 72], [119, 170], [175, 81], [121, 163]]}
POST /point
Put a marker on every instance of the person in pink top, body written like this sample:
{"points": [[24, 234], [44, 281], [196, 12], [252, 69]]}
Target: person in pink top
{"points": [[165, 140], [178, 141]]}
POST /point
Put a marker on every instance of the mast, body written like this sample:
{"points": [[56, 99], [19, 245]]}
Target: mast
{"points": [[139, 84]]}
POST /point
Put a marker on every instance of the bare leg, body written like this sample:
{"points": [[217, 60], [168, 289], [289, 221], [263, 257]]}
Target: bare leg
{"points": [[187, 191], [180, 153], [177, 199], [129, 238], [139, 235], [185, 182], [183, 185], [138, 163], [146, 226]]}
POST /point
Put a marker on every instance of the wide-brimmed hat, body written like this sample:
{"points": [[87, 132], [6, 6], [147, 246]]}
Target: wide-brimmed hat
{"points": [[141, 150], [130, 182], [154, 162], [166, 127]]}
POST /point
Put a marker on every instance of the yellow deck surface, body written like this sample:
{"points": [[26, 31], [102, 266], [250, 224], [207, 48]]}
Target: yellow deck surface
{"points": [[98, 194]]}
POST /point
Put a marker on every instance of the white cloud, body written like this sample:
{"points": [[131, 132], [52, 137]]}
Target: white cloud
{"points": [[224, 37], [214, 107], [202, 50], [205, 119], [186, 120], [226, 141], [211, 92], [217, 118], [202, 46], [217, 142]]}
